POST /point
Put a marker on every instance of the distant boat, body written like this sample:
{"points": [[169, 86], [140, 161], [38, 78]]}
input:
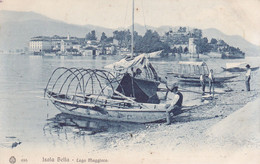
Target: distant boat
{"points": [[237, 67], [190, 72], [49, 54], [37, 53], [229, 55]]}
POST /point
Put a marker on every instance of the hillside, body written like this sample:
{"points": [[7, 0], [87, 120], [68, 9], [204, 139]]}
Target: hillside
{"points": [[233, 40], [18, 27], [11, 16]]}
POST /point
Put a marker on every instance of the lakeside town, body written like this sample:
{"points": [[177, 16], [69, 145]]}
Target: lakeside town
{"points": [[180, 41]]}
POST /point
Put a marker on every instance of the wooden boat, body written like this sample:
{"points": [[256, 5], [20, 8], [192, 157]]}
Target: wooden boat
{"points": [[190, 72], [98, 94], [237, 67]]}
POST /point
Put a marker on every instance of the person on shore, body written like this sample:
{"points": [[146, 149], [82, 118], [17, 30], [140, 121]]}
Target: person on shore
{"points": [[202, 83], [175, 103], [211, 82], [248, 77]]}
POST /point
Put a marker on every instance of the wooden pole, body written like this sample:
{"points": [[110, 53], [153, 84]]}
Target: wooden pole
{"points": [[132, 34]]}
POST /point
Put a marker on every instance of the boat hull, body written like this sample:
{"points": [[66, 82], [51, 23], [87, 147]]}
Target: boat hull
{"points": [[196, 79], [131, 115], [237, 69]]}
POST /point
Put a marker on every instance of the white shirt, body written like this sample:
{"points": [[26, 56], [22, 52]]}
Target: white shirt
{"points": [[211, 76], [172, 98], [201, 78], [248, 72]]}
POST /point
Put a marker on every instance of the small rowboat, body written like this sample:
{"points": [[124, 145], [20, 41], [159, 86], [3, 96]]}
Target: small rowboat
{"points": [[237, 67], [190, 72]]}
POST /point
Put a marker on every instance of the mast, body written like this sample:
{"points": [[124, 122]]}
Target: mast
{"points": [[132, 34]]}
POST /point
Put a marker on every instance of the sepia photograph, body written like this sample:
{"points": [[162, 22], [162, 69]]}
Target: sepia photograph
{"points": [[129, 81]]}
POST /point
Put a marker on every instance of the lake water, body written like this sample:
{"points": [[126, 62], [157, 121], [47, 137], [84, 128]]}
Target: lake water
{"points": [[27, 117]]}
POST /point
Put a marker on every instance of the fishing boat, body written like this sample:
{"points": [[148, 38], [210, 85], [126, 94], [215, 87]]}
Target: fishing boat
{"points": [[99, 94], [190, 72], [237, 67]]}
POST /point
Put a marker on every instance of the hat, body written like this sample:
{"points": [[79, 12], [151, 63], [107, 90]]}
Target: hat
{"points": [[247, 66], [173, 86]]}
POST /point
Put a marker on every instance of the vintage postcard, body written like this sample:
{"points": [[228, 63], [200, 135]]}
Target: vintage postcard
{"points": [[129, 81]]}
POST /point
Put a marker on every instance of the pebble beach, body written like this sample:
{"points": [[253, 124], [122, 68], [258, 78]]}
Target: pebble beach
{"points": [[226, 129]]}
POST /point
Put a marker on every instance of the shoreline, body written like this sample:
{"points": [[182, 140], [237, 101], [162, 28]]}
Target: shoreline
{"points": [[192, 133]]}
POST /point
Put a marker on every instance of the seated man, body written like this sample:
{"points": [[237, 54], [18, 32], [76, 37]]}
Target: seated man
{"points": [[175, 103]]}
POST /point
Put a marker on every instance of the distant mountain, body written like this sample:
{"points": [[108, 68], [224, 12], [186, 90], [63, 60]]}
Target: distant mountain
{"points": [[233, 40], [15, 16], [16, 29]]}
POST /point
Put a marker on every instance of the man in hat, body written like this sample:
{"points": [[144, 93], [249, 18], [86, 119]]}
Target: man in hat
{"points": [[175, 102], [248, 77]]}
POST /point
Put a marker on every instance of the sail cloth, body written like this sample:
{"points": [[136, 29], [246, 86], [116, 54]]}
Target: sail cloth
{"points": [[139, 66], [143, 91], [139, 79], [156, 54]]}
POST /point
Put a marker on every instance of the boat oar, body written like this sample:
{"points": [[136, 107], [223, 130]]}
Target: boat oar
{"points": [[233, 81], [187, 90], [128, 98], [181, 89]]}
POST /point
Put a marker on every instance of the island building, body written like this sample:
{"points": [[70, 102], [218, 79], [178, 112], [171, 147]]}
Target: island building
{"points": [[39, 44]]}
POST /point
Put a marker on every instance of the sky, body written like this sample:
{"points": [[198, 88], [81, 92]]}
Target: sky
{"points": [[233, 17]]}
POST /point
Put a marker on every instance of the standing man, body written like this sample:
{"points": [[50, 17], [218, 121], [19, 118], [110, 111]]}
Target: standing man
{"points": [[248, 77], [175, 99], [211, 82], [202, 83]]}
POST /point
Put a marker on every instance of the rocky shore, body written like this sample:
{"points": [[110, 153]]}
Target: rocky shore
{"points": [[202, 134]]}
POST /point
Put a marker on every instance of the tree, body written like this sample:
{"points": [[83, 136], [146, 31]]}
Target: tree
{"points": [[109, 40], [202, 45], [123, 37], [180, 50], [213, 41], [91, 35], [103, 37], [150, 42], [174, 50], [186, 50]]}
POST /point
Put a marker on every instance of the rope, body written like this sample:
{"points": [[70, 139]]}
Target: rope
{"points": [[143, 16], [126, 13]]}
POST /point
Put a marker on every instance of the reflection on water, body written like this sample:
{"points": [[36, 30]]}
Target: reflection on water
{"points": [[64, 124]]}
